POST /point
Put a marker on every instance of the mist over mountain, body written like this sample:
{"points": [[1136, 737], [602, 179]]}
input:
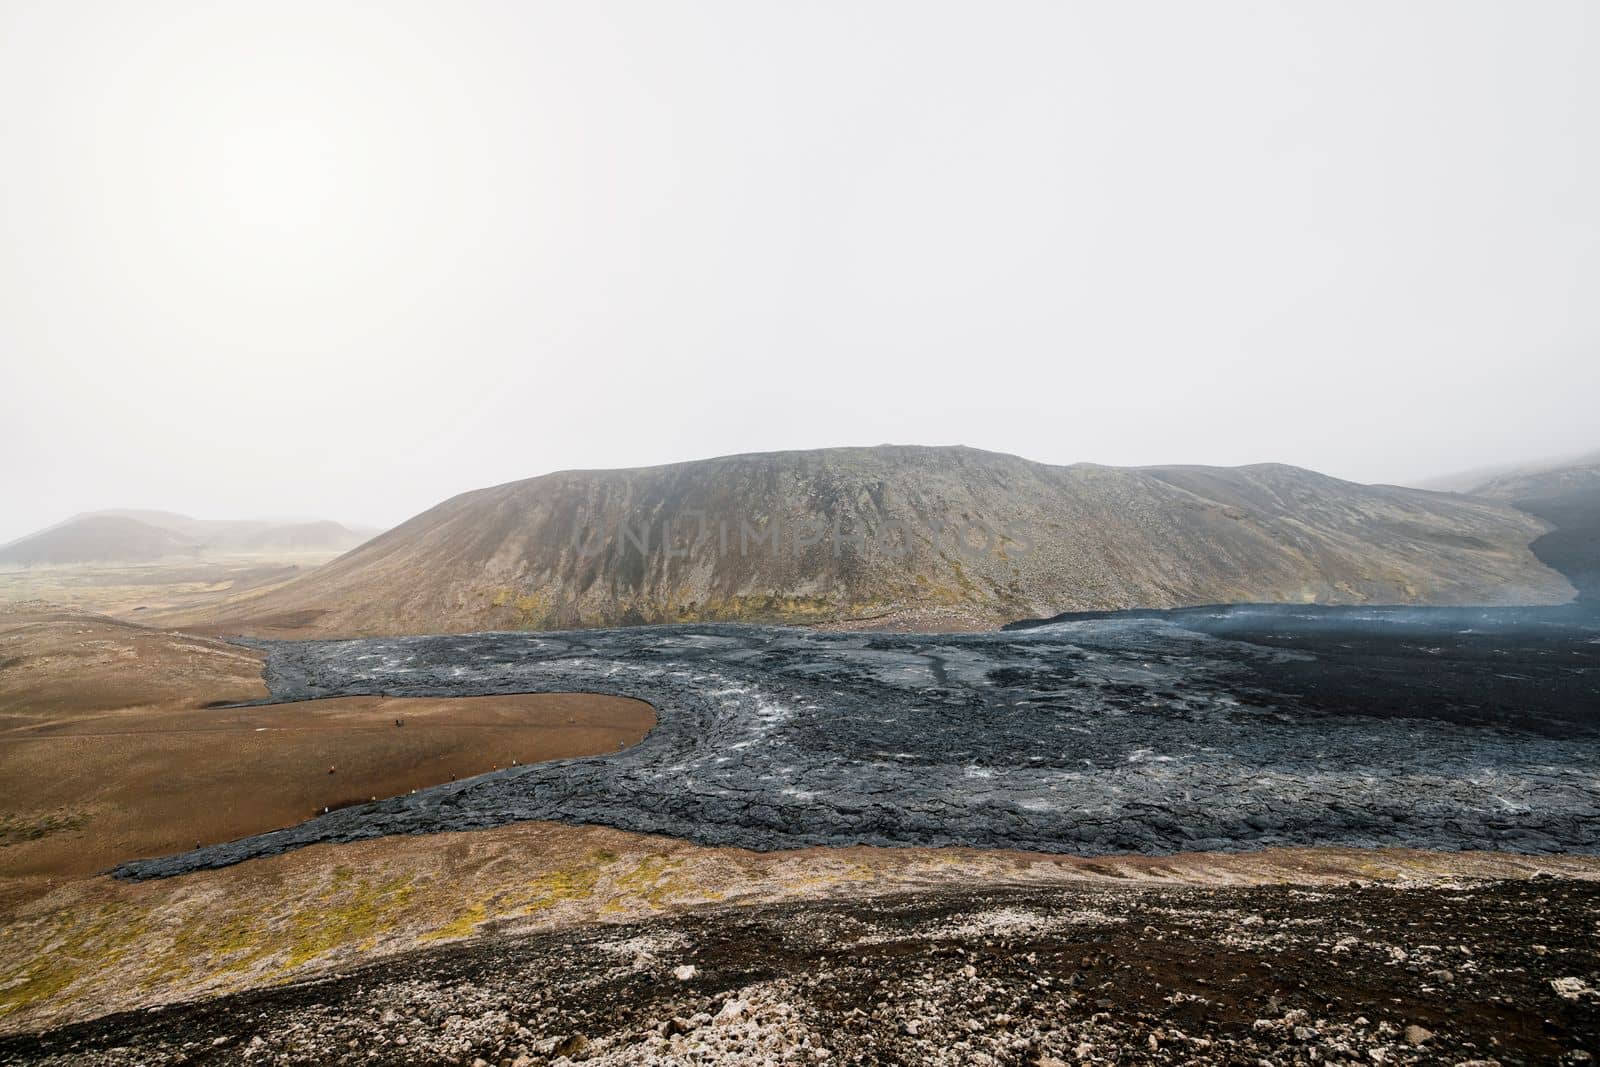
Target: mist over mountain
{"points": [[1566, 495], [97, 538], [903, 536], [134, 536]]}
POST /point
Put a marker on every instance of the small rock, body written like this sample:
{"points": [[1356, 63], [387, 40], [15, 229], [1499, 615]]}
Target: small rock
{"points": [[1571, 988], [684, 972], [571, 1046], [1417, 1035]]}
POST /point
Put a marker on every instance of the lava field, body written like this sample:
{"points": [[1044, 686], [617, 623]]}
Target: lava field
{"points": [[1150, 732]]}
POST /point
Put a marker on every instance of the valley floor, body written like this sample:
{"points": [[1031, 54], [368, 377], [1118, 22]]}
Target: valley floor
{"points": [[142, 592], [540, 912], [111, 748], [1200, 730]]}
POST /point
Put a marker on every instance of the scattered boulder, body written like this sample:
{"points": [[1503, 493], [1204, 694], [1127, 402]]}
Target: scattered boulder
{"points": [[571, 1046], [1417, 1035]]}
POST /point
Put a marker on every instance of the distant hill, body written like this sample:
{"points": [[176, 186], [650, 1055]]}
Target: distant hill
{"points": [[128, 536], [1480, 481], [95, 538], [1530, 483], [902, 537], [1568, 497]]}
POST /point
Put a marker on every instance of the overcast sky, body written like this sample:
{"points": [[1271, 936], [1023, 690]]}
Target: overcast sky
{"points": [[348, 259]]}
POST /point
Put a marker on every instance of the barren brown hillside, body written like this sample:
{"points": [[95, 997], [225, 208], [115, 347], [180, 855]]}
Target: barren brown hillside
{"points": [[900, 536]]}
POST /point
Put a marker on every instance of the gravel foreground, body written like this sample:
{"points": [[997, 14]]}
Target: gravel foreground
{"points": [[1492, 972]]}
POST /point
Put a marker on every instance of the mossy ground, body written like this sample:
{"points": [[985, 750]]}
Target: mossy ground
{"points": [[103, 947], [68, 947], [33, 827]]}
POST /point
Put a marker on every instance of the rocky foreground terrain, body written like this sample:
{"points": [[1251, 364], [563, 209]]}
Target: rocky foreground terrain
{"points": [[905, 538], [1503, 972]]}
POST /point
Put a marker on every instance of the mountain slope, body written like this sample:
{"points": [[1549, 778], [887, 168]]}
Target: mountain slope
{"points": [[1568, 498], [693, 541]]}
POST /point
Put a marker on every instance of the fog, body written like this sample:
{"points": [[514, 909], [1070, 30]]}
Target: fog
{"points": [[347, 260]]}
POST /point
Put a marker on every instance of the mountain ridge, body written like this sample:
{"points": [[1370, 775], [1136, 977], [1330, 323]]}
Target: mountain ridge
{"points": [[130, 535], [1567, 496], [595, 548]]}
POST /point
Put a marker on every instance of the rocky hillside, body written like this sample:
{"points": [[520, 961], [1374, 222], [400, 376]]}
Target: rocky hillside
{"points": [[903, 537]]}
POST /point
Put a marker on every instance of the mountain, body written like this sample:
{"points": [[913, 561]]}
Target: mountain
{"points": [[1567, 496], [1481, 480], [130, 536], [903, 537], [95, 538], [255, 535], [1533, 483]]}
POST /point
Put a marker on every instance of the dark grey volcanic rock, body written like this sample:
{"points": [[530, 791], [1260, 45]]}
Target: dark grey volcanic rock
{"points": [[1146, 733]]}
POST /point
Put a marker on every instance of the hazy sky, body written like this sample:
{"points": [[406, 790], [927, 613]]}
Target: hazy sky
{"points": [[348, 259]]}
